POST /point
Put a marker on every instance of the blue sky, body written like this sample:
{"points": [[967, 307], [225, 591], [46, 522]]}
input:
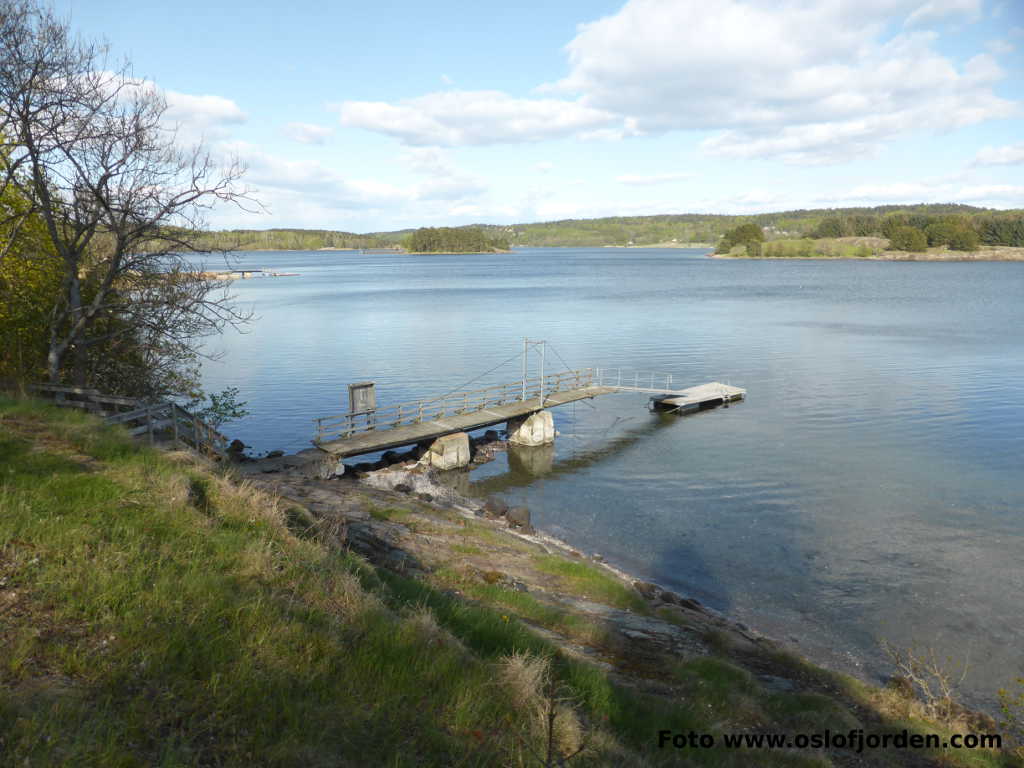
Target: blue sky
{"points": [[367, 117]]}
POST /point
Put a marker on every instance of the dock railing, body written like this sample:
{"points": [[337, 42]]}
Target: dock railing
{"points": [[627, 378], [451, 404]]}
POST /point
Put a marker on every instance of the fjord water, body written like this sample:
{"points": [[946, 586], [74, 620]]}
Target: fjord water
{"points": [[870, 487]]}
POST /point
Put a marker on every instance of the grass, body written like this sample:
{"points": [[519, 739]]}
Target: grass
{"points": [[592, 582], [154, 613]]}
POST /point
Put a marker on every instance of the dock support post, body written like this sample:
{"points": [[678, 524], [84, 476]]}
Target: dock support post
{"points": [[532, 430], [450, 451]]}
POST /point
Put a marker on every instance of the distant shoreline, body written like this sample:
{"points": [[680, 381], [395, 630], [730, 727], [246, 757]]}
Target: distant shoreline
{"points": [[986, 253]]}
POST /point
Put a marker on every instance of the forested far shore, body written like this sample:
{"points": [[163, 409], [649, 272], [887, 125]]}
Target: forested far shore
{"points": [[940, 224], [286, 240]]}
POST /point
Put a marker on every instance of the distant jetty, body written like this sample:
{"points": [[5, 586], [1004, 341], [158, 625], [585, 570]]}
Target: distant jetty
{"points": [[245, 274]]}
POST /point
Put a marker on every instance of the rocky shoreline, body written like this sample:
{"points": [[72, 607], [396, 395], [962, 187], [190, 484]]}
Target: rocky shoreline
{"points": [[399, 515]]}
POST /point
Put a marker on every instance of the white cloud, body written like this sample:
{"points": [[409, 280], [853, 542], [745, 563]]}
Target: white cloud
{"points": [[936, 10], [544, 167], [307, 133], [193, 117], [992, 192], [1000, 47], [275, 175], [1012, 154], [818, 82], [447, 80], [936, 192], [445, 181], [202, 111], [652, 179], [458, 118], [810, 82]]}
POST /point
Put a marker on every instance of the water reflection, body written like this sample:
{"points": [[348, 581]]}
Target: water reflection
{"points": [[531, 461], [527, 464]]}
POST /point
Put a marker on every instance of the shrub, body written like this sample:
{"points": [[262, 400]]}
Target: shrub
{"points": [[908, 239], [965, 239]]}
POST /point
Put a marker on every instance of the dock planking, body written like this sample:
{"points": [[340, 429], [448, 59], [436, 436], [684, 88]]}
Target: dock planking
{"points": [[373, 440]]}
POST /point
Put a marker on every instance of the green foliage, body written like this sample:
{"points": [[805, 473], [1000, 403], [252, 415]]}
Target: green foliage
{"points": [[964, 239], [1011, 709], [940, 232], [1001, 229], [30, 284], [286, 240], [831, 226], [745, 235], [219, 407], [454, 240], [907, 238]]}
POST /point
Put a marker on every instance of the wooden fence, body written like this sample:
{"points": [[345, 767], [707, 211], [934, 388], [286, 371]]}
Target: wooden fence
{"points": [[155, 421]]}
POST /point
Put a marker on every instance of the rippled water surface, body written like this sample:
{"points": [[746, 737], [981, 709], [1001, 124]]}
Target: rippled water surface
{"points": [[870, 487]]}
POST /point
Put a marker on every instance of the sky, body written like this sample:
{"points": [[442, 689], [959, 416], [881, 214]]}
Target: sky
{"points": [[378, 116]]}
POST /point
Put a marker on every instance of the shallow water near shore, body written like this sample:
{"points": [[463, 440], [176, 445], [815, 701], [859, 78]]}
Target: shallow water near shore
{"points": [[870, 487]]}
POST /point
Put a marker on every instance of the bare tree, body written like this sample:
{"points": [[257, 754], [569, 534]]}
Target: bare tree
{"points": [[88, 147]]}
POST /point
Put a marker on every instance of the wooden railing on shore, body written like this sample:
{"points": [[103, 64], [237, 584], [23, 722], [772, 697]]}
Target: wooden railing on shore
{"points": [[451, 404], [156, 421]]}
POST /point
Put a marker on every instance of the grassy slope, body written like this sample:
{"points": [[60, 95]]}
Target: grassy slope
{"points": [[153, 613]]}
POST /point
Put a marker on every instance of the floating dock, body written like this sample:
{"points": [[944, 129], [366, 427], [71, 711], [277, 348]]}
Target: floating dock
{"points": [[697, 398]]}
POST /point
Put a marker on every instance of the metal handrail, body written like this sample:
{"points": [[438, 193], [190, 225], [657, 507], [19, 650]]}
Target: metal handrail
{"points": [[450, 404], [627, 378]]}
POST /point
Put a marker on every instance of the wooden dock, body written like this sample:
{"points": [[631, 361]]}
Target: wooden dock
{"points": [[428, 431], [423, 421]]}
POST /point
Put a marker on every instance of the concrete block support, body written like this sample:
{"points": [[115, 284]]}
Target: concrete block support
{"points": [[536, 429], [450, 451]]}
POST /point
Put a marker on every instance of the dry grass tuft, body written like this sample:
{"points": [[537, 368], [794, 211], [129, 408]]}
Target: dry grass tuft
{"points": [[534, 691]]}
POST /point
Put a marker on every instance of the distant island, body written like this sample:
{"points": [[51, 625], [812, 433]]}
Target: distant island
{"points": [[453, 240]]}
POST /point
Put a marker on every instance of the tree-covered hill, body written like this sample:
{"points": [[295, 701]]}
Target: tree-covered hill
{"points": [[287, 240], [993, 227]]}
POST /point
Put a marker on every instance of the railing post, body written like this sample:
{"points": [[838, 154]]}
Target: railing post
{"points": [[419, 419], [542, 345], [526, 344]]}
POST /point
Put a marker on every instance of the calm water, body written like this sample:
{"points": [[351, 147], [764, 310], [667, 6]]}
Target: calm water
{"points": [[870, 487]]}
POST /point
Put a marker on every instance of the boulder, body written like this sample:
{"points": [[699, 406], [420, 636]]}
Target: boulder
{"points": [[519, 517], [450, 451], [647, 589], [533, 430], [495, 507]]}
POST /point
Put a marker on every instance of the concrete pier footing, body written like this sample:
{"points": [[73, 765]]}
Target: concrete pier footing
{"points": [[532, 430], [450, 451]]}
